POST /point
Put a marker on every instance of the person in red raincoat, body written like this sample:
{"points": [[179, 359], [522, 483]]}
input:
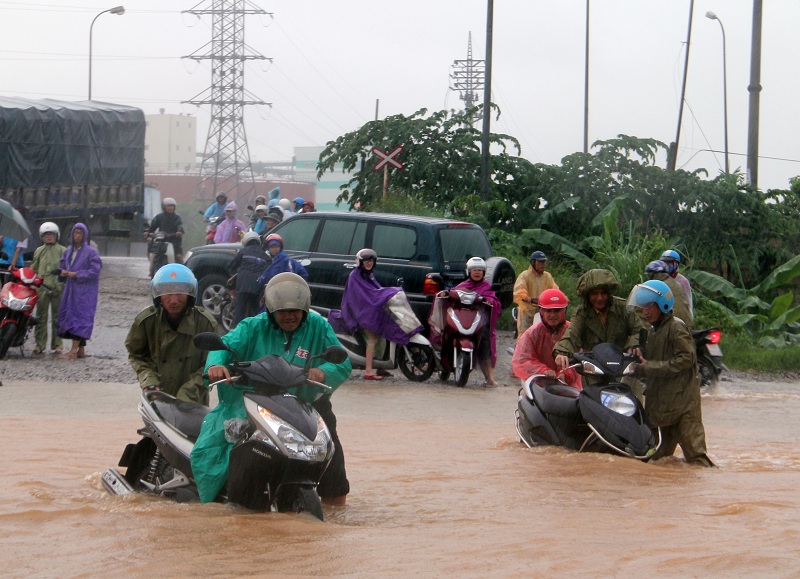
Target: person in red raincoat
{"points": [[533, 353]]}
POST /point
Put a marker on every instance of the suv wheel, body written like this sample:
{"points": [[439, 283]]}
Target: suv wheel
{"points": [[500, 274], [213, 293]]}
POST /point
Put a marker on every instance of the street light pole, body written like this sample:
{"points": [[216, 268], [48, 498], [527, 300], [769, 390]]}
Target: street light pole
{"points": [[119, 10], [487, 102], [710, 15]]}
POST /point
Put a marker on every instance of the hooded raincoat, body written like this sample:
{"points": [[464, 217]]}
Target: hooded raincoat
{"points": [[484, 289], [79, 299], [587, 328], [252, 339], [228, 229], [47, 258], [366, 306]]}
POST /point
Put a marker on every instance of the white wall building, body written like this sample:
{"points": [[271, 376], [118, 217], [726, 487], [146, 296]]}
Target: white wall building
{"points": [[170, 143], [305, 169]]}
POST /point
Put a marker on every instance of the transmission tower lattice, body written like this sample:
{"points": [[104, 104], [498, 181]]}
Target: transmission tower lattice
{"points": [[468, 79], [226, 159]]}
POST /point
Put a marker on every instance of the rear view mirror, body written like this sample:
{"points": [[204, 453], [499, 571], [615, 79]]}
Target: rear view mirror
{"points": [[209, 341]]}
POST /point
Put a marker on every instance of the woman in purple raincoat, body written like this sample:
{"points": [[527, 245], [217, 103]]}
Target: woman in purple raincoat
{"points": [[364, 307], [80, 266]]}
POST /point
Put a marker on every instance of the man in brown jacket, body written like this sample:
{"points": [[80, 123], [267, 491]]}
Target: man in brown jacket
{"points": [[669, 368]]}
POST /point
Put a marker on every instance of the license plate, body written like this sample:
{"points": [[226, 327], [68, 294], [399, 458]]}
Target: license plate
{"points": [[714, 350]]}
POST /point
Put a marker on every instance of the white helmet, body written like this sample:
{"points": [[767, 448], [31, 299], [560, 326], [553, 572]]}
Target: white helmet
{"points": [[169, 201], [287, 291], [284, 204], [49, 227], [261, 208], [250, 236], [476, 263]]}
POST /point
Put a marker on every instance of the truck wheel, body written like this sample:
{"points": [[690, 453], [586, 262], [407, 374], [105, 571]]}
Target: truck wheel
{"points": [[212, 293], [500, 274]]}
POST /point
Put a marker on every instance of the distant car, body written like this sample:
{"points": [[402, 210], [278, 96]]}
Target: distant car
{"points": [[423, 255]]}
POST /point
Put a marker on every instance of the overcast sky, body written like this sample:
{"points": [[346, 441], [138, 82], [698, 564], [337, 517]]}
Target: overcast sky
{"points": [[332, 59]]}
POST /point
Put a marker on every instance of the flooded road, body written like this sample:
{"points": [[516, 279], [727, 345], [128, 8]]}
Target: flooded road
{"points": [[440, 486]]}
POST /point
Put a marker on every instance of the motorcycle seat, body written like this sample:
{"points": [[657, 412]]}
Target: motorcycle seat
{"points": [[186, 417], [557, 399]]}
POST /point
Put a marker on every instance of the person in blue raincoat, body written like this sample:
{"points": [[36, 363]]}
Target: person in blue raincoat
{"points": [[289, 329], [281, 262]]}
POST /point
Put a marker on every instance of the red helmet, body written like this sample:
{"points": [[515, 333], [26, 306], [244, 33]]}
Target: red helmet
{"points": [[273, 237], [553, 299]]}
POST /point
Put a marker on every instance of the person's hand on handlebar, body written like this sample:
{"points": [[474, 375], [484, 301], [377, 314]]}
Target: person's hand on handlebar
{"points": [[315, 374], [217, 372], [562, 362]]}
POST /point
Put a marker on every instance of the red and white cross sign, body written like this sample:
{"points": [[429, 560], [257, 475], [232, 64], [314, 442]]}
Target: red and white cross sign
{"points": [[389, 158]]}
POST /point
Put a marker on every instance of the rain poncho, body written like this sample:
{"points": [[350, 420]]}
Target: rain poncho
{"points": [[529, 284], [587, 329], [79, 299], [366, 305], [47, 258], [252, 339], [533, 353], [229, 228], [484, 289], [281, 263]]}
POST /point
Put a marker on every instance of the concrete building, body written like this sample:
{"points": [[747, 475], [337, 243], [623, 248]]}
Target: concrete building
{"points": [[170, 143], [305, 169]]}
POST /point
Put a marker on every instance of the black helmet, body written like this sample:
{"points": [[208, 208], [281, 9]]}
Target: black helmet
{"points": [[538, 256]]}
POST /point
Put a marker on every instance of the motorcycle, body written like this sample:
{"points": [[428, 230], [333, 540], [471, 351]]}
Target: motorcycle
{"points": [[18, 297], [211, 228], [457, 322], [280, 452], [415, 359], [161, 251], [603, 417], [709, 356]]}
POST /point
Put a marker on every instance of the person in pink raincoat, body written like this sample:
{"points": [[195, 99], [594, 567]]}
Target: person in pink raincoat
{"points": [[229, 228], [487, 351]]}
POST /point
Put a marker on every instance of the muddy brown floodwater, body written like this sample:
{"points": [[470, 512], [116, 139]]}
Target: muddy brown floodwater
{"points": [[440, 486]]}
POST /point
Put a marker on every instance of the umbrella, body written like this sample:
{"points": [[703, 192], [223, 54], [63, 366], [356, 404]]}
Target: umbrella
{"points": [[12, 223]]}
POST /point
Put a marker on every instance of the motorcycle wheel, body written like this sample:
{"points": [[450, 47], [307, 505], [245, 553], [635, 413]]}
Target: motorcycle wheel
{"points": [[7, 334], [159, 260], [707, 375], [302, 500], [420, 365], [461, 368]]}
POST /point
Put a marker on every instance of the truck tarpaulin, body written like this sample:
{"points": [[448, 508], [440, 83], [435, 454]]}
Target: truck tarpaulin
{"points": [[57, 143]]}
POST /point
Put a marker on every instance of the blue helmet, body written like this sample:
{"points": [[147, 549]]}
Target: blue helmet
{"points": [[657, 266], [670, 256], [650, 292], [173, 278]]}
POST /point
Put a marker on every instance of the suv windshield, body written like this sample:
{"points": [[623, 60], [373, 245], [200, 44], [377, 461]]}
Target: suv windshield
{"points": [[461, 243]]}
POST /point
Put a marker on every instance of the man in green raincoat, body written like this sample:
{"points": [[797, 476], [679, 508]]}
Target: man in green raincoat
{"points": [[669, 368], [290, 330]]}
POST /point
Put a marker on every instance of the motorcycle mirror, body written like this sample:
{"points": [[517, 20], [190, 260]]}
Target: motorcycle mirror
{"points": [[250, 208], [305, 262], [332, 354], [209, 341]]}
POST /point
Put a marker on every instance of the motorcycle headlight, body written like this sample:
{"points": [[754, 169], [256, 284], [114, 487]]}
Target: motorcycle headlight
{"points": [[295, 444], [589, 368], [15, 303], [619, 403]]}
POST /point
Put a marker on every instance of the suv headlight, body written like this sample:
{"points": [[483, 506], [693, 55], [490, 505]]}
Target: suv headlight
{"points": [[619, 403]]}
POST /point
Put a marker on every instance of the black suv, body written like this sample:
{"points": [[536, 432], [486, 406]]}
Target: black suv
{"points": [[411, 251]]}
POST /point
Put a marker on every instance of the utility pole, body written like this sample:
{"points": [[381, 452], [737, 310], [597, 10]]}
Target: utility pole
{"points": [[226, 159], [468, 78], [672, 156], [487, 103], [754, 88]]}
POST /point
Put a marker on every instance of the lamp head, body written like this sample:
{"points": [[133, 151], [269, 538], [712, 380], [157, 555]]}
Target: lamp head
{"points": [[711, 16], [118, 10]]}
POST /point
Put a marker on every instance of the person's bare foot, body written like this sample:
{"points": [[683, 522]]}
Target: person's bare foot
{"points": [[71, 355], [81, 353]]}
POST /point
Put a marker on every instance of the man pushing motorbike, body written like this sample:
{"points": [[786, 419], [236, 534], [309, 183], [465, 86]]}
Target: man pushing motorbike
{"points": [[288, 329], [159, 343], [669, 368]]}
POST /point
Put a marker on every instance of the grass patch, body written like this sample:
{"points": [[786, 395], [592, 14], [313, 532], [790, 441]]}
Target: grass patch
{"points": [[742, 355]]}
